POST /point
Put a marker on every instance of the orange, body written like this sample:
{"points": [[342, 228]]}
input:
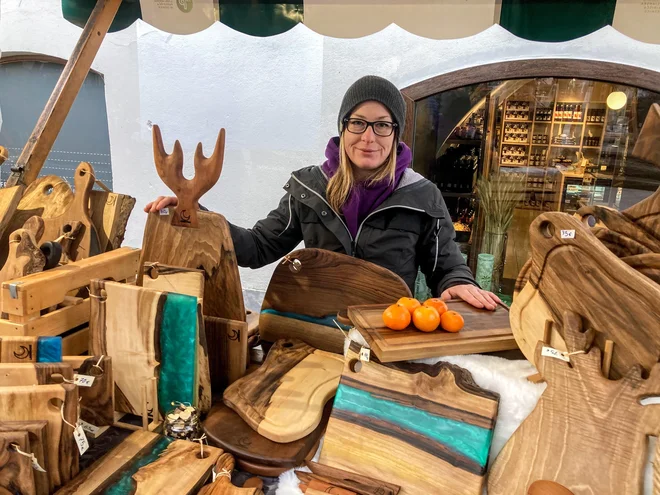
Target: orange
{"points": [[426, 318], [452, 321], [396, 317], [409, 302], [438, 304]]}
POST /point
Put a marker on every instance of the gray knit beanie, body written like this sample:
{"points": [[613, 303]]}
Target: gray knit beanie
{"points": [[375, 88]]}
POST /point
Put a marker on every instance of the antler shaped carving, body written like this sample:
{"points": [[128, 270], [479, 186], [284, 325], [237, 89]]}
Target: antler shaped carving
{"points": [[188, 191]]}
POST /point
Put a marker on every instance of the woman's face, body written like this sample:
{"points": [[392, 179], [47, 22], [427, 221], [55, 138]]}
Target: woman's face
{"points": [[368, 151]]}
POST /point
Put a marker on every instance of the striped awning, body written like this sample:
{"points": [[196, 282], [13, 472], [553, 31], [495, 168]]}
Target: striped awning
{"points": [[536, 20]]}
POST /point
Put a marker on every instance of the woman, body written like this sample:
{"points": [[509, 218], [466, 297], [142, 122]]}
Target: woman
{"points": [[365, 201]]}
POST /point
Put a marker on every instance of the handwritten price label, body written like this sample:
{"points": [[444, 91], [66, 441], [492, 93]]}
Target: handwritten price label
{"points": [[365, 354], [83, 380], [568, 234], [553, 353], [89, 428], [81, 439], [164, 212]]}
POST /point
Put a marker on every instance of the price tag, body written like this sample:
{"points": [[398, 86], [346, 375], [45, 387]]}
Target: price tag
{"points": [[568, 234], [365, 354], [89, 428], [36, 466], [164, 211], [83, 380], [553, 353], [81, 439]]}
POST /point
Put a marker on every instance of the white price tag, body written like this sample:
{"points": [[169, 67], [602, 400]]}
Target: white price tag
{"points": [[553, 353], [365, 354], [36, 466], [89, 428], [83, 380], [164, 211], [81, 439], [568, 234]]}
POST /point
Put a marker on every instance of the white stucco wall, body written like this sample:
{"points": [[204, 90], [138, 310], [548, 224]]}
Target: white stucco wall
{"points": [[277, 97]]}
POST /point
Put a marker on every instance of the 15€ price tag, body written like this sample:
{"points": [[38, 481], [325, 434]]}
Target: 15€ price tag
{"points": [[553, 353], [568, 234], [83, 380], [81, 439]]}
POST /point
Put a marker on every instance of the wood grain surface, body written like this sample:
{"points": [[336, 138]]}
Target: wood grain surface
{"points": [[646, 214], [223, 484], [86, 243], [28, 374], [484, 331], [30, 403], [323, 337], [18, 349], [224, 428], [620, 244], [37, 436], [646, 145], [227, 342], [24, 256], [16, 474], [96, 402], [434, 417], [109, 213], [10, 198], [283, 399], [605, 287], [363, 485], [618, 222], [646, 264], [208, 248], [327, 283], [601, 421]]}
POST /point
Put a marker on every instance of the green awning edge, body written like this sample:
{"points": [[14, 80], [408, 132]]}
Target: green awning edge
{"points": [[78, 11]]}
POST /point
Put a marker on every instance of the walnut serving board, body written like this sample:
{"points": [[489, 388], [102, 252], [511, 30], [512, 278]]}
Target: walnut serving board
{"points": [[425, 428], [16, 474], [484, 331], [37, 432], [283, 399]]}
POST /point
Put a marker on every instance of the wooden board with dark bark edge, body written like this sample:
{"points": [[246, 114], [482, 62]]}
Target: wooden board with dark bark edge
{"points": [[37, 432], [434, 420], [586, 432], [97, 403], [283, 399], [484, 331], [16, 473]]}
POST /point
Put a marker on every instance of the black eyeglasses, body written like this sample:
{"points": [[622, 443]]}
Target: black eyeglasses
{"points": [[381, 128]]}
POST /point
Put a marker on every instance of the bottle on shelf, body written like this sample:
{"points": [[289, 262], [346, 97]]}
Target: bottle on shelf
{"points": [[568, 112], [577, 113], [559, 111]]}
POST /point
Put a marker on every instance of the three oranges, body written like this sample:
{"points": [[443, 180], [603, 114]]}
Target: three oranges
{"points": [[426, 317]]}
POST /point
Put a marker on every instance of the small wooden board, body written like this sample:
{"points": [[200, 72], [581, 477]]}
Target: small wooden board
{"points": [[425, 428], [362, 485], [109, 212], [97, 403], [283, 399], [228, 341], [149, 464], [36, 431], [16, 474], [24, 257], [582, 421], [223, 485], [226, 429], [484, 331], [28, 374], [30, 349]]}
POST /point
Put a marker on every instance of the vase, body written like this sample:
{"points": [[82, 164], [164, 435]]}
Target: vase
{"points": [[485, 270], [494, 243]]}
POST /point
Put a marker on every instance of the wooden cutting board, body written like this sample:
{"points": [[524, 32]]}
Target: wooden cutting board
{"points": [[621, 245], [222, 485], [24, 257], [617, 222], [605, 286], [37, 436], [363, 485], [586, 432], [16, 475], [109, 214], [224, 428], [326, 284], [484, 331], [646, 264], [30, 349], [27, 374], [147, 463], [283, 399], [646, 214], [30, 403], [425, 428], [96, 402]]}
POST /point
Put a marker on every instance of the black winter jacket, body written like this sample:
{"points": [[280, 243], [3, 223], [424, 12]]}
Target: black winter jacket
{"points": [[410, 229]]}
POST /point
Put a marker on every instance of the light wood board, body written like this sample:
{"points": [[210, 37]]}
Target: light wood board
{"points": [[10, 198], [15, 469], [28, 374], [37, 435], [24, 257], [618, 222], [223, 485], [362, 485], [97, 405], [646, 214], [283, 399], [227, 342], [425, 428], [109, 213], [586, 432], [484, 331]]}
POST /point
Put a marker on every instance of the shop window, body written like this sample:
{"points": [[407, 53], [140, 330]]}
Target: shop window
{"points": [[562, 142], [25, 86]]}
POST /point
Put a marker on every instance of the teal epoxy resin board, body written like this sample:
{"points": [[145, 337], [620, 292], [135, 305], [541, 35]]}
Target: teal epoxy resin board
{"points": [[425, 428]]}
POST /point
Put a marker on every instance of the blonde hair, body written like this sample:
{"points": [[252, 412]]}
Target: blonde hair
{"points": [[341, 184]]}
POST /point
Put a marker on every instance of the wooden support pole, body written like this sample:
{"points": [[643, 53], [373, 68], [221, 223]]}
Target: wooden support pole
{"points": [[52, 118], [607, 358]]}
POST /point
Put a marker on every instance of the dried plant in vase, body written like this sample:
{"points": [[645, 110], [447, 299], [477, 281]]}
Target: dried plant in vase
{"points": [[499, 194]]}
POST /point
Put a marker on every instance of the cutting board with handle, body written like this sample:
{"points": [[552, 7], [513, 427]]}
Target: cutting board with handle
{"points": [[28, 348], [37, 436], [24, 257], [189, 238], [619, 302], [33, 403], [16, 474], [97, 401], [86, 243], [646, 214], [616, 221], [484, 331], [435, 419], [27, 374], [582, 421], [223, 485], [362, 485], [314, 284], [283, 399]]}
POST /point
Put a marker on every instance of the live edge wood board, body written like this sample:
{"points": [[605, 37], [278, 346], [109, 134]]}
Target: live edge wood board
{"points": [[425, 428], [37, 432], [586, 433], [16, 474], [484, 331]]}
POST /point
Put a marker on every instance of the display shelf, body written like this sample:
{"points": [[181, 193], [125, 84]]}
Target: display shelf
{"points": [[508, 164], [564, 145], [519, 121], [516, 143], [590, 147]]}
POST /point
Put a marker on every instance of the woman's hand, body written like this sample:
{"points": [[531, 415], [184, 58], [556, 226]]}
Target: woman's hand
{"points": [[160, 203], [472, 295]]}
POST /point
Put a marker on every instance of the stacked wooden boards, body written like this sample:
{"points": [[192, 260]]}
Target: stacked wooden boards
{"points": [[586, 432], [484, 331], [222, 485], [16, 469], [302, 303], [168, 346], [283, 399], [425, 428]]}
